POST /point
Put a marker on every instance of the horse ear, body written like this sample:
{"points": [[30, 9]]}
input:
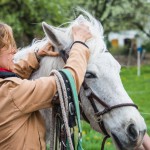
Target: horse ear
{"points": [[54, 35], [81, 19]]}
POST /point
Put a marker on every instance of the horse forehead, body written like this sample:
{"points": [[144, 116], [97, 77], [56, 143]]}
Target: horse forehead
{"points": [[103, 60]]}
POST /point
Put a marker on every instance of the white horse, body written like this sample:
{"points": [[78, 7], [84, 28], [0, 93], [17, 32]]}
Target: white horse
{"points": [[124, 124]]}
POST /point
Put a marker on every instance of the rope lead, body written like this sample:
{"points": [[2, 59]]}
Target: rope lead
{"points": [[62, 91]]}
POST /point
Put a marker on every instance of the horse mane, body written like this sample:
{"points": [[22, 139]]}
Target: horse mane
{"points": [[96, 44], [23, 52], [95, 27]]}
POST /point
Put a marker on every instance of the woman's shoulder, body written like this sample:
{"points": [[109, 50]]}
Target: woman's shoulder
{"points": [[11, 79]]}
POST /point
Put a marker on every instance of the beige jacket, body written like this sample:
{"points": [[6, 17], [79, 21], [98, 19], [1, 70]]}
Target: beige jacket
{"points": [[21, 125]]}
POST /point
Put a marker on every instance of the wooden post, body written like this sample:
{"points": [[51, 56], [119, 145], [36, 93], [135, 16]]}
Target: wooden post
{"points": [[138, 63], [139, 51]]}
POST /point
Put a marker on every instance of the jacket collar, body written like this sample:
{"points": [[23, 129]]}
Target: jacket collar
{"points": [[4, 73]]}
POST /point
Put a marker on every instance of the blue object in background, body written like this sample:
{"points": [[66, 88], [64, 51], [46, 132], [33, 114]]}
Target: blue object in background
{"points": [[139, 49]]}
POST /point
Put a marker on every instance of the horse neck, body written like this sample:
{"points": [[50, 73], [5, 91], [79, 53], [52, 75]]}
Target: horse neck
{"points": [[47, 64]]}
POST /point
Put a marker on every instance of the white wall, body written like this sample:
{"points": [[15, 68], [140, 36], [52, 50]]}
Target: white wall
{"points": [[120, 36]]}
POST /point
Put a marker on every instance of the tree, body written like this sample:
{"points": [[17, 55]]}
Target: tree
{"points": [[118, 15], [25, 16]]}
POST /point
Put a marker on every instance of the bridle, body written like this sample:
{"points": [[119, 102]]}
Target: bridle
{"points": [[98, 114]]}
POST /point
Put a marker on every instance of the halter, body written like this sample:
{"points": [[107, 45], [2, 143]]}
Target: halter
{"points": [[98, 114]]}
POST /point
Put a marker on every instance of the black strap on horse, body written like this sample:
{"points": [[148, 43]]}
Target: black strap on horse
{"points": [[92, 96], [98, 114], [61, 135], [63, 55]]}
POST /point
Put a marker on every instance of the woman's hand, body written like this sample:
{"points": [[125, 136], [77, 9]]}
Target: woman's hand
{"points": [[47, 50], [81, 33]]}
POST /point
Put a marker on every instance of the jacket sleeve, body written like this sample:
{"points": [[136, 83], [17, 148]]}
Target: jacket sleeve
{"points": [[77, 63], [25, 67], [33, 95]]}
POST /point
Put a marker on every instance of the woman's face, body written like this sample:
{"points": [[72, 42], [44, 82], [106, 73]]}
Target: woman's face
{"points": [[6, 57]]}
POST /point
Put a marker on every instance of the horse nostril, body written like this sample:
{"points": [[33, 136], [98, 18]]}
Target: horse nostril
{"points": [[132, 132]]}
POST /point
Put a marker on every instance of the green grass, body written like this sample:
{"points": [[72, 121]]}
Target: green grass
{"points": [[92, 140], [138, 89]]}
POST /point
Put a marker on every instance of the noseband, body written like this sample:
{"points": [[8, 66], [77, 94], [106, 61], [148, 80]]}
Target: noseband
{"points": [[98, 114]]}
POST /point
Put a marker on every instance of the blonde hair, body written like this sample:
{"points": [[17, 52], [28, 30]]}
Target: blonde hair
{"points": [[6, 36]]}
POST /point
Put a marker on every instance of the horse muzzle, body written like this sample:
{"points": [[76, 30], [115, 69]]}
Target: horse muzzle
{"points": [[130, 140]]}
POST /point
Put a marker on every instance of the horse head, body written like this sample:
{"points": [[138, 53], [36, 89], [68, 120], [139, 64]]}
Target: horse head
{"points": [[124, 124]]}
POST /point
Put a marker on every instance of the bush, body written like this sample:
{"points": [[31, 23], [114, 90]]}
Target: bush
{"points": [[121, 50], [146, 46]]}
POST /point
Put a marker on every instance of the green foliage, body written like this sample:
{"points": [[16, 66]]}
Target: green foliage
{"points": [[138, 89], [122, 50], [92, 140], [146, 46], [116, 15], [25, 16]]}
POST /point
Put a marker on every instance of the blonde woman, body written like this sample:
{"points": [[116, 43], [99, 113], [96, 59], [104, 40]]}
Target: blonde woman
{"points": [[21, 125]]}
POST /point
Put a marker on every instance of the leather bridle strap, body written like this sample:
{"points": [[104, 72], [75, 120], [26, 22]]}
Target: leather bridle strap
{"points": [[103, 142], [92, 97], [100, 123], [63, 55], [106, 110]]}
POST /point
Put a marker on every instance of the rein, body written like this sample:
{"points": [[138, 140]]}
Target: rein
{"points": [[66, 114], [98, 114], [59, 116]]}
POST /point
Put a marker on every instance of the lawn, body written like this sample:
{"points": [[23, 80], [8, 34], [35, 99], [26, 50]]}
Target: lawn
{"points": [[138, 88]]}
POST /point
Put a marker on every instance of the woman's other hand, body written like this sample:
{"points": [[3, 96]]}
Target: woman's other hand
{"points": [[81, 33]]}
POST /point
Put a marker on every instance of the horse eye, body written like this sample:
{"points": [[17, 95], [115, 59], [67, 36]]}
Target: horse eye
{"points": [[90, 75]]}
